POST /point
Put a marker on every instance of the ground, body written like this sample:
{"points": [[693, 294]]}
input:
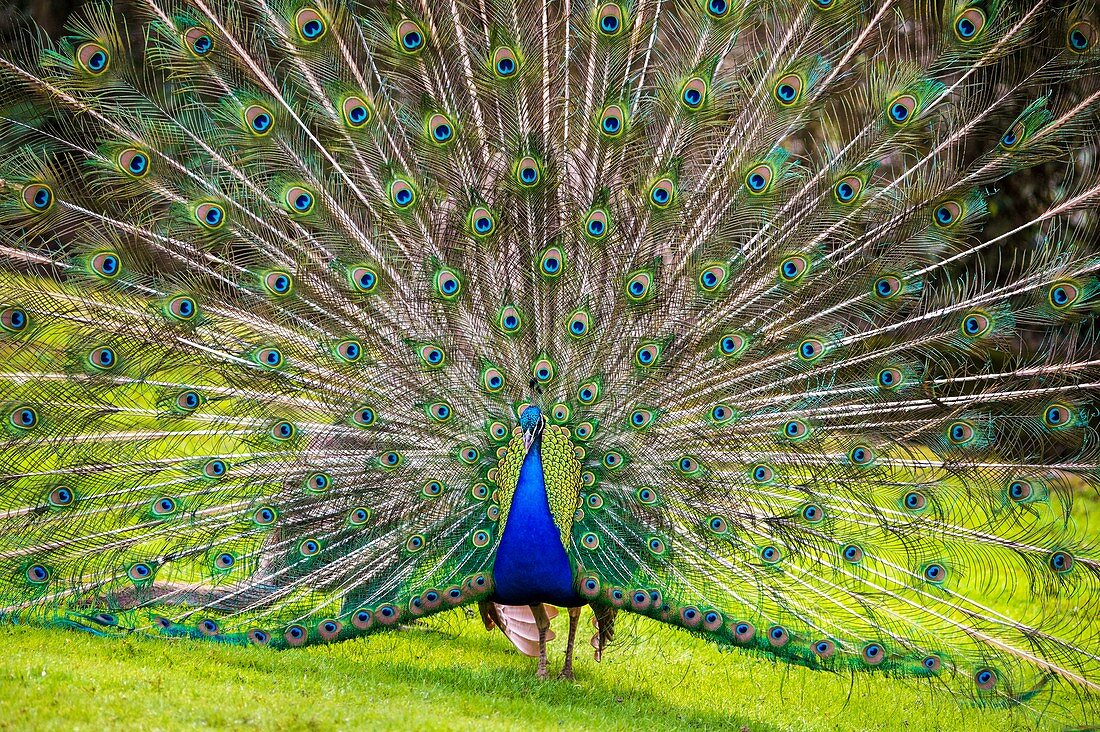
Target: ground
{"points": [[451, 674]]}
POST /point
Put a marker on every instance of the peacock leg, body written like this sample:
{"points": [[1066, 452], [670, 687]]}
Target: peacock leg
{"points": [[567, 669], [543, 623]]}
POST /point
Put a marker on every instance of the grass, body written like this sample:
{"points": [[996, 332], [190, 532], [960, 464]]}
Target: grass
{"points": [[450, 674]]}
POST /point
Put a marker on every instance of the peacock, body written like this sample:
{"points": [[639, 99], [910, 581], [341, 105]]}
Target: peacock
{"points": [[320, 317]]}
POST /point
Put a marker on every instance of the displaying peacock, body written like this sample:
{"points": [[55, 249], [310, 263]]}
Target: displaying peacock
{"points": [[317, 318]]}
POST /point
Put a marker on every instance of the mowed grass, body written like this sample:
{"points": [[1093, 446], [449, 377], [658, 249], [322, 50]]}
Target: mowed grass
{"points": [[450, 674]]}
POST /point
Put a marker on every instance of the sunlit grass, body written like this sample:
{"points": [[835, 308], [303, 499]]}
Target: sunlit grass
{"points": [[450, 674]]}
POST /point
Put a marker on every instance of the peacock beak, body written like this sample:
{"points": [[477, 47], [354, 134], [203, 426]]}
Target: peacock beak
{"points": [[528, 440]]}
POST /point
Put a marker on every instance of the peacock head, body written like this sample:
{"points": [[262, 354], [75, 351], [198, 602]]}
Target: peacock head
{"points": [[530, 421]]}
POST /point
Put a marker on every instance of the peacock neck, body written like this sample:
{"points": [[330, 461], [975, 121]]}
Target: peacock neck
{"points": [[531, 563]]}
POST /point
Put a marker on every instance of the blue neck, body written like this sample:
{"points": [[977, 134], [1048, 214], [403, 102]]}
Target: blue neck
{"points": [[531, 564]]}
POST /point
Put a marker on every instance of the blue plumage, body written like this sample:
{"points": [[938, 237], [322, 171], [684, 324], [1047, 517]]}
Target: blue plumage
{"points": [[531, 564]]}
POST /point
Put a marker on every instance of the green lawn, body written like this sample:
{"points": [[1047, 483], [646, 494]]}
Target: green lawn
{"points": [[451, 674]]}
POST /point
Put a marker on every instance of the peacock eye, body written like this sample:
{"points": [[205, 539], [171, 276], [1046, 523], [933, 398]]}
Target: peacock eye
{"points": [[647, 355], [610, 19], [410, 37], [440, 128], [505, 62], [432, 356], [900, 110], [282, 430], [265, 516], [793, 268], [259, 120], [693, 93], [23, 418], [847, 189], [134, 163], [440, 411], [182, 308], [528, 172], [947, 214], [778, 636], [139, 572], [579, 324], [61, 496], [824, 649], [215, 469], [482, 221], [985, 679], [861, 455], [448, 284], [363, 279], [969, 24], [758, 180], [732, 344], [596, 225], [914, 501], [612, 121], [713, 277], [873, 654], [210, 215], [402, 193], [270, 358], [887, 287], [552, 262], [543, 370], [1060, 562], [93, 58], [721, 413], [788, 90], [762, 473], [662, 192], [1063, 294], [976, 324], [299, 200], [37, 574], [1058, 416], [318, 482], [106, 264], [38, 197], [718, 8], [311, 26], [813, 513], [795, 429], [1081, 37], [103, 358], [357, 112], [493, 380], [13, 319], [935, 573], [852, 553], [811, 349], [889, 378], [198, 41]]}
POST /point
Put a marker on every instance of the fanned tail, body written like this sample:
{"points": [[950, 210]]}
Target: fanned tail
{"points": [[280, 277]]}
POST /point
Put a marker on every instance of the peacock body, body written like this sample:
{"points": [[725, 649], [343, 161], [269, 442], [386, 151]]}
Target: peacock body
{"points": [[321, 317]]}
